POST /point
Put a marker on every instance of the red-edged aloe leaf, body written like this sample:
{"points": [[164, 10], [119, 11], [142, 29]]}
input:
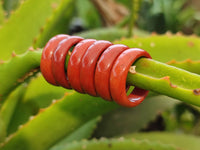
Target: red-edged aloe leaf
{"points": [[57, 121], [17, 69], [168, 47], [39, 95], [58, 23], [185, 142], [19, 32], [189, 65]]}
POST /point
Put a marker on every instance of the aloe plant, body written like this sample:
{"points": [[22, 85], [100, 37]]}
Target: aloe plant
{"points": [[37, 115]]}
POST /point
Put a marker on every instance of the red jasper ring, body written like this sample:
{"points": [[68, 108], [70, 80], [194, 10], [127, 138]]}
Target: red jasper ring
{"points": [[89, 62], [118, 78], [48, 51], [103, 69], [58, 60], [74, 64], [98, 68]]}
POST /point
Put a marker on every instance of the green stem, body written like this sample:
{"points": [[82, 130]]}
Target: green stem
{"points": [[133, 16], [151, 75], [131, 23], [168, 80]]}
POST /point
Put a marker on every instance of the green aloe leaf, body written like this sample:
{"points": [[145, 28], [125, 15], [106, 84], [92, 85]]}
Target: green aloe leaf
{"points": [[185, 142], [10, 5], [189, 65], [83, 132], [8, 109], [168, 47], [39, 95], [63, 117], [15, 34], [88, 13], [103, 34], [58, 23], [134, 119], [1, 13], [17, 70], [110, 34], [118, 144]]}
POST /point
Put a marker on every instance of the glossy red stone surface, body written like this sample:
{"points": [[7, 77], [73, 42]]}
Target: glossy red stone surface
{"points": [[58, 60], [118, 78], [88, 66], [74, 64], [103, 69], [98, 68], [47, 53]]}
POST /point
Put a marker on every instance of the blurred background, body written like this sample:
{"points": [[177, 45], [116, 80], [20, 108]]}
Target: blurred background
{"points": [[150, 15]]}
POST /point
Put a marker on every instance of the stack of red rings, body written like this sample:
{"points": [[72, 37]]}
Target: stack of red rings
{"points": [[98, 68]]}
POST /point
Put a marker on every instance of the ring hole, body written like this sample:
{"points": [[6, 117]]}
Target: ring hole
{"points": [[68, 56], [129, 90]]}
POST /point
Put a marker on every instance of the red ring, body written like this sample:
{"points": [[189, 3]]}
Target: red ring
{"points": [[74, 64], [103, 69], [58, 60], [89, 62], [47, 53], [118, 78]]}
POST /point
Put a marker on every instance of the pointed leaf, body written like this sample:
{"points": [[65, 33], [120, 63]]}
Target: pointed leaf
{"points": [[18, 33]]}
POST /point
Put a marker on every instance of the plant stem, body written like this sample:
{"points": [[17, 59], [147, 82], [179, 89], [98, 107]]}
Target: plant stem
{"points": [[168, 80], [135, 4], [165, 79], [150, 74]]}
